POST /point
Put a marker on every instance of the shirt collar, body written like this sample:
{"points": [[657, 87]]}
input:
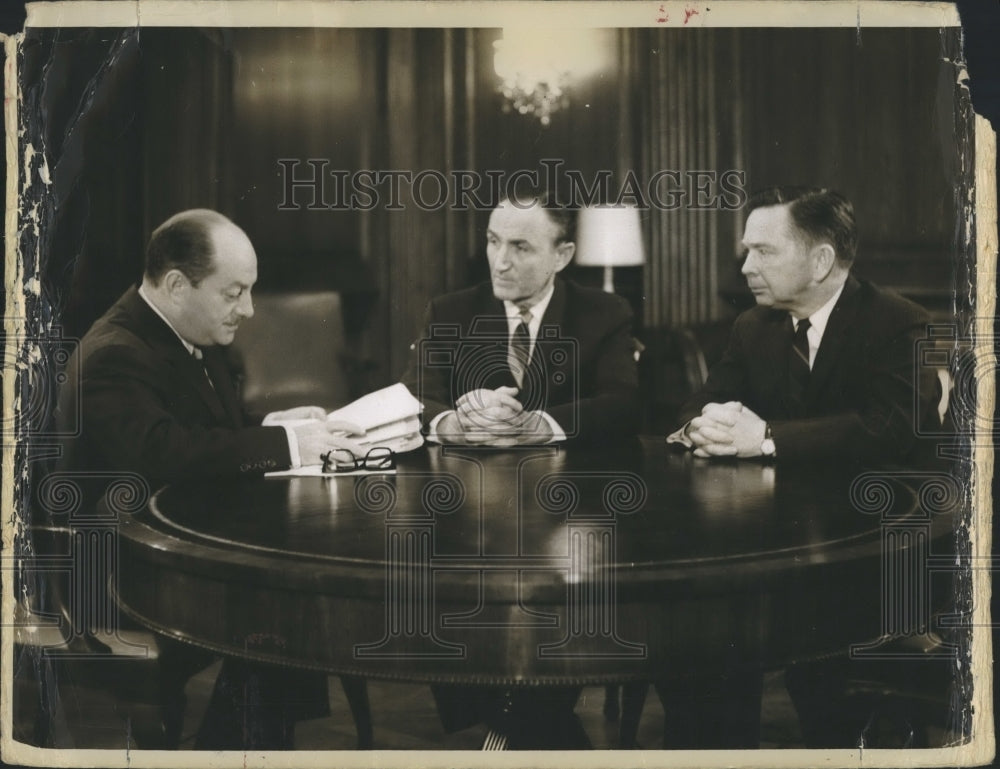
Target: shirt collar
{"points": [[819, 319], [537, 309], [145, 297]]}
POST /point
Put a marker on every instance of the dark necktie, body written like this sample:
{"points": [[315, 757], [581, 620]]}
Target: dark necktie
{"points": [[519, 353], [798, 367], [199, 356]]}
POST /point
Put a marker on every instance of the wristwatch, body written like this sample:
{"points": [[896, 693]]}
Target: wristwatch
{"points": [[767, 445]]}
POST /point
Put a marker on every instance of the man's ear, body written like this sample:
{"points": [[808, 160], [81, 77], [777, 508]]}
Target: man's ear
{"points": [[565, 253], [824, 258], [176, 284]]}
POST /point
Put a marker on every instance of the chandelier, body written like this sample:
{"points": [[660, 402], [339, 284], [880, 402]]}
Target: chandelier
{"points": [[537, 67]]}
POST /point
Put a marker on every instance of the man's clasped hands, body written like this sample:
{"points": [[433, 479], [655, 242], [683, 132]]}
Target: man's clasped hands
{"points": [[726, 430], [493, 418]]}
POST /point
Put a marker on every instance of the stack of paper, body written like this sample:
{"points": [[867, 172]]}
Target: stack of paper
{"points": [[390, 418]]}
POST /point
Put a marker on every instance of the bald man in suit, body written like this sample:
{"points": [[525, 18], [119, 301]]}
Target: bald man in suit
{"points": [[156, 398]]}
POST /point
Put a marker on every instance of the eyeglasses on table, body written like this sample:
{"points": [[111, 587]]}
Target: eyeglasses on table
{"points": [[345, 461]]}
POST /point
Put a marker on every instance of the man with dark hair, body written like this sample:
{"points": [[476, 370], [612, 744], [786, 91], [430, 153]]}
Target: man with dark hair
{"points": [[822, 369], [824, 366], [530, 358], [527, 358], [156, 398]]}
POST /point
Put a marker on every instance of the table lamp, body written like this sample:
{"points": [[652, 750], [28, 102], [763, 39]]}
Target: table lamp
{"points": [[609, 237]]}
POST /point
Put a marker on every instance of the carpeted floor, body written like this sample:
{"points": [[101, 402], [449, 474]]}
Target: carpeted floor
{"points": [[404, 717]]}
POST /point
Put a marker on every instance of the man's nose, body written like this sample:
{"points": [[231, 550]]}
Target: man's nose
{"points": [[749, 264], [246, 305], [501, 261]]}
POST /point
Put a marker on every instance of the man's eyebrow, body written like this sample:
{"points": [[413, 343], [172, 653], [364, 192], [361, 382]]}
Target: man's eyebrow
{"points": [[512, 241]]}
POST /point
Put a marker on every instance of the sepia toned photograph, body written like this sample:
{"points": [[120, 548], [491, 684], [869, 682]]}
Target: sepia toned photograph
{"points": [[403, 383]]}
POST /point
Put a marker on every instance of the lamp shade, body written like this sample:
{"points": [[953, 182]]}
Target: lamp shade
{"points": [[609, 237]]}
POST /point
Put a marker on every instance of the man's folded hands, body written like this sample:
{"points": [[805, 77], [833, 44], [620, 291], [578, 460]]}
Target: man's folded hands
{"points": [[726, 430], [493, 418]]}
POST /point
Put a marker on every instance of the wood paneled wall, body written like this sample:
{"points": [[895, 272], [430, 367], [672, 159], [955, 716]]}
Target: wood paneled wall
{"points": [[188, 139], [210, 113], [418, 253], [689, 120], [872, 114]]}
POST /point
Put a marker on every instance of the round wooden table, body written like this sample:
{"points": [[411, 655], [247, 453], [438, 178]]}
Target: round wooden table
{"points": [[552, 566]]}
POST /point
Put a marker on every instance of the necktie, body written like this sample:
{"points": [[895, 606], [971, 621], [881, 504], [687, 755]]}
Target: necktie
{"points": [[798, 366], [199, 356], [519, 353]]}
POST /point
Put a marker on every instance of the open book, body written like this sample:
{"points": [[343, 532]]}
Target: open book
{"points": [[390, 418]]}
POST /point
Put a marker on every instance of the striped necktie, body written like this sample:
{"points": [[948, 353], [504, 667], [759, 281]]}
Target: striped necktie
{"points": [[798, 366], [519, 352]]}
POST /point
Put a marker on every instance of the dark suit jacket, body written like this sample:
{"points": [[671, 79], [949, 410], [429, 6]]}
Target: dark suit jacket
{"points": [[146, 405], [865, 395], [582, 371]]}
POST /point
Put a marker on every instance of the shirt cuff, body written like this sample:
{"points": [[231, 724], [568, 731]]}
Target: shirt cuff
{"points": [[680, 436], [432, 435], [558, 434], [293, 447]]}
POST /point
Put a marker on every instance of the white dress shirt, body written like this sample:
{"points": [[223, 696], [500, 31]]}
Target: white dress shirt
{"points": [[817, 325]]}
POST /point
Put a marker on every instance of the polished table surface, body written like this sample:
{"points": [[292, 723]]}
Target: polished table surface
{"points": [[534, 566]]}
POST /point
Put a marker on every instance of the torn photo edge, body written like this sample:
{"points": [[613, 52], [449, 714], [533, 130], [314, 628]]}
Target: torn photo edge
{"points": [[26, 169]]}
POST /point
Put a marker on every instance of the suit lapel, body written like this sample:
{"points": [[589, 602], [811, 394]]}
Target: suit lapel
{"points": [[192, 370], [555, 312], [224, 391], [489, 355], [772, 358], [491, 322], [829, 355], [162, 338], [545, 369], [489, 318]]}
